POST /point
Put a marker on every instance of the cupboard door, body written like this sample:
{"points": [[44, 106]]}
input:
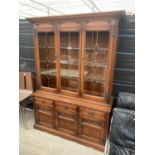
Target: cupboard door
{"points": [[69, 60], [44, 115], [92, 130], [93, 125], [95, 62], [66, 118], [47, 55], [66, 123]]}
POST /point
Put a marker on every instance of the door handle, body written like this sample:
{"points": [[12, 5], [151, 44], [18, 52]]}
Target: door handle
{"points": [[91, 113]]}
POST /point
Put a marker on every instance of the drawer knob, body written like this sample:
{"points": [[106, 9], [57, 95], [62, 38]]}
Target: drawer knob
{"points": [[66, 107], [44, 110], [91, 113]]}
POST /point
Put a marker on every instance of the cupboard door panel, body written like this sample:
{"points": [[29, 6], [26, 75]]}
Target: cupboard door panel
{"points": [[92, 130], [47, 58], [45, 119], [96, 52], [66, 122], [69, 60], [44, 114], [93, 124]]}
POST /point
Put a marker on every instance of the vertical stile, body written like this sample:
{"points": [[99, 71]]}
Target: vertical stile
{"points": [[111, 59], [82, 50], [36, 55], [57, 55]]}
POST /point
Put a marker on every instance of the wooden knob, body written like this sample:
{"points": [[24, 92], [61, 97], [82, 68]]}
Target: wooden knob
{"points": [[66, 107], [91, 113]]}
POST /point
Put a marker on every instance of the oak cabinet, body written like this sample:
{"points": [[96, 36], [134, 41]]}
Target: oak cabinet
{"points": [[75, 57]]}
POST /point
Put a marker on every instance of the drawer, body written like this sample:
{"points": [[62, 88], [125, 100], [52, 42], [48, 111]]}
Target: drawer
{"points": [[43, 108], [90, 113], [43, 101], [65, 108]]}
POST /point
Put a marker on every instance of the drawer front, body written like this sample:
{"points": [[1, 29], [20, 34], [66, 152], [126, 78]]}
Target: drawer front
{"points": [[43, 101], [90, 113], [66, 122], [65, 108], [44, 108]]}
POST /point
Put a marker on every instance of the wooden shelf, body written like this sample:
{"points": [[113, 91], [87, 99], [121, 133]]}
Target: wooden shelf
{"points": [[64, 73], [91, 64], [94, 77], [69, 89], [93, 93], [72, 62], [92, 80], [46, 47], [69, 73], [97, 49], [74, 74], [66, 62], [44, 61], [70, 48]]}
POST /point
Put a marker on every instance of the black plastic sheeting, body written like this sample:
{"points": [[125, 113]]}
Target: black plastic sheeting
{"points": [[119, 150], [124, 72], [122, 132], [26, 47], [126, 100]]}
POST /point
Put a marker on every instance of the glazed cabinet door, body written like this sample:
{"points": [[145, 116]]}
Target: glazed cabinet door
{"points": [[95, 62], [44, 113], [45, 51], [69, 49], [98, 57]]}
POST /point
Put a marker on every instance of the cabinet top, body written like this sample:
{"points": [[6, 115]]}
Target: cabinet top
{"points": [[110, 14]]}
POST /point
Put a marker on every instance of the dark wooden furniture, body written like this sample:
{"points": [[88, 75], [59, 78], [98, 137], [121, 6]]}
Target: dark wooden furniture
{"points": [[75, 57]]}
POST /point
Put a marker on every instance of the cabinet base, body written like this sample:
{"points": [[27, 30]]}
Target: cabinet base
{"points": [[70, 137]]}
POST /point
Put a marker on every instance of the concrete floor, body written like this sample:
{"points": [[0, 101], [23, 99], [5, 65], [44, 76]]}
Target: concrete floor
{"points": [[35, 142]]}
